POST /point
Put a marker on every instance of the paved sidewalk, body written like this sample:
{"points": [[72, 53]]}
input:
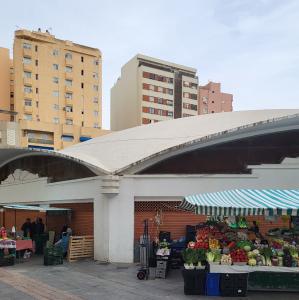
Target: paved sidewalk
{"points": [[92, 281]]}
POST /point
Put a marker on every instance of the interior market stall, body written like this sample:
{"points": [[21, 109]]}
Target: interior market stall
{"points": [[228, 255], [15, 240]]}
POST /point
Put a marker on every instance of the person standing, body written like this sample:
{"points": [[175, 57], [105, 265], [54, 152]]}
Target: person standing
{"points": [[27, 228]]}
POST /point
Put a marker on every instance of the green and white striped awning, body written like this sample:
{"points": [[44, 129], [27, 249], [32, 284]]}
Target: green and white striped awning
{"points": [[244, 202]]}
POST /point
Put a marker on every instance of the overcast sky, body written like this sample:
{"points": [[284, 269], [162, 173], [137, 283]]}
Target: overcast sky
{"points": [[250, 46]]}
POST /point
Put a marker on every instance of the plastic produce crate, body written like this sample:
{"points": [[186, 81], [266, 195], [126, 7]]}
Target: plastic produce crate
{"points": [[233, 285], [213, 284], [194, 282]]}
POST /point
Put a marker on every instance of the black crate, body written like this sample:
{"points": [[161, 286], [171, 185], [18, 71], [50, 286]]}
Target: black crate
{"points": [[194, 282], [233, 285], [7, 261], [53, 260]]}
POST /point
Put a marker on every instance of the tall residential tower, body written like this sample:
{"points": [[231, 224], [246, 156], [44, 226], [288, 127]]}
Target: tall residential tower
{"points": [[152, 90], [57, 90]]}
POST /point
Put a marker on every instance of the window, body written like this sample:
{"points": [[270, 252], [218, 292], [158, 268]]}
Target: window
{"points": [[82, 85], [160, 100], [28, 102], [152, 99], [96, 125], [68, 82], [151, 110], [67, 138], [68, 69], [36, 76], [26, 60], [95, 75], [82, 59], [69, 96], [193, 96], [213, 92], [95, 113], [26, 46], [69, 108], [212, 111], [170, 91], [55, 93], [160, 89], [95, 87], [170, 113], [55, 106], [27, 74], [213, 101], [186, 95], [82, 72], [68, 55], [36, 62], [36, 104], [55, 120], [36, 48], [69, 122], [169, 102], [27, 89], [96, 62], [95, 100], [55, 52], [151, 87], [55, 67], [55, 80], [160, 112], [28, 117], [36, 90], [186, 83]]}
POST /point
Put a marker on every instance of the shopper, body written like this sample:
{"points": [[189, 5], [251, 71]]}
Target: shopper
{"points": [[39, 227], [27, 228], [64, 241]]}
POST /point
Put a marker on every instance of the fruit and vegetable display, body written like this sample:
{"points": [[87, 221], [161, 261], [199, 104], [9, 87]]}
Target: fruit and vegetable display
{"points": [[218, 244]]}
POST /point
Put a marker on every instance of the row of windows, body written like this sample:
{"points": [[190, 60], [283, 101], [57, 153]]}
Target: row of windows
{"points": [[190, 96], [55, 52], [148, 121], [55, 120], [68, 82], [67, 108], [157, 77], [68, 69], [156, 88], [157, 100], [187, 115], [191, 85], [156, 111], [190, 106]]}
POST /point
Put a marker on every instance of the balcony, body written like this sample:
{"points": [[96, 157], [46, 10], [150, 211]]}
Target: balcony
{"points": [[28, 109], [27, 81], [27, 52]]}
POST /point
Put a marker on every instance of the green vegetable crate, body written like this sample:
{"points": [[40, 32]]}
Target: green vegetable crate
{"points": [[53, 256]]}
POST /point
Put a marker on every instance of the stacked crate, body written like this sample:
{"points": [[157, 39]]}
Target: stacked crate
{"points": [[162, 268], [53, 255], [233, 285]]}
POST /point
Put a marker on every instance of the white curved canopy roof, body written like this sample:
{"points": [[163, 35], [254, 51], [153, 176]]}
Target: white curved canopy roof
{"points": [[119, 151]]}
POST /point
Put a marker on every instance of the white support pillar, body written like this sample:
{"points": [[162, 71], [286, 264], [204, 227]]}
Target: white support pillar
{"points": [[101, 228], [121, 228]]}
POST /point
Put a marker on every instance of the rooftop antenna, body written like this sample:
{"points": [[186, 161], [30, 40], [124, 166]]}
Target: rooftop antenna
{"points": [[49, 29]]}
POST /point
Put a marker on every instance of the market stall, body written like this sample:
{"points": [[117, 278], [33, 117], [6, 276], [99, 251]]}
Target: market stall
{"points": [[33, 241], [232, 248]]}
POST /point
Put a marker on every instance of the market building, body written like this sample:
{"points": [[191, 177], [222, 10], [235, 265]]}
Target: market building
{"points": [[112, 183]]}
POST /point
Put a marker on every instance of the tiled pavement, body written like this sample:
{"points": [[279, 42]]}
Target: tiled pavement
{"points": [[93, 281]]}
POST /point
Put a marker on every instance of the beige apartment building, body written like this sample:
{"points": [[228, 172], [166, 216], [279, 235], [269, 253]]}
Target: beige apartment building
{"points": [[151, 90], [57, 90], [212, 100]]}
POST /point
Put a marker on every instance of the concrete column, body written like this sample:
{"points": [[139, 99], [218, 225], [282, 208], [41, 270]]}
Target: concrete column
{"points": [[101, 228], [121, 225]]}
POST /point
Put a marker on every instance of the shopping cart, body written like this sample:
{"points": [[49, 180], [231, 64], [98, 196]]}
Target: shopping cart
{"points": [[143, 272]]}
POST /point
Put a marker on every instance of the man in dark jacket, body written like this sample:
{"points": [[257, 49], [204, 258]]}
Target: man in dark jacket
{"points": [[27, 228]]}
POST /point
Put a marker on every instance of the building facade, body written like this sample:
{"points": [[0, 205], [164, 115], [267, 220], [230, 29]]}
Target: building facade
{"points": [[150, 90], [55, 90], [212, 100], [5, 77]]}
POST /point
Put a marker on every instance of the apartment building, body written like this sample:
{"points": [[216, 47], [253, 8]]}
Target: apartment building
{"points": [[152, 90], [54, 90], [5, 76], [212, 100]]}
